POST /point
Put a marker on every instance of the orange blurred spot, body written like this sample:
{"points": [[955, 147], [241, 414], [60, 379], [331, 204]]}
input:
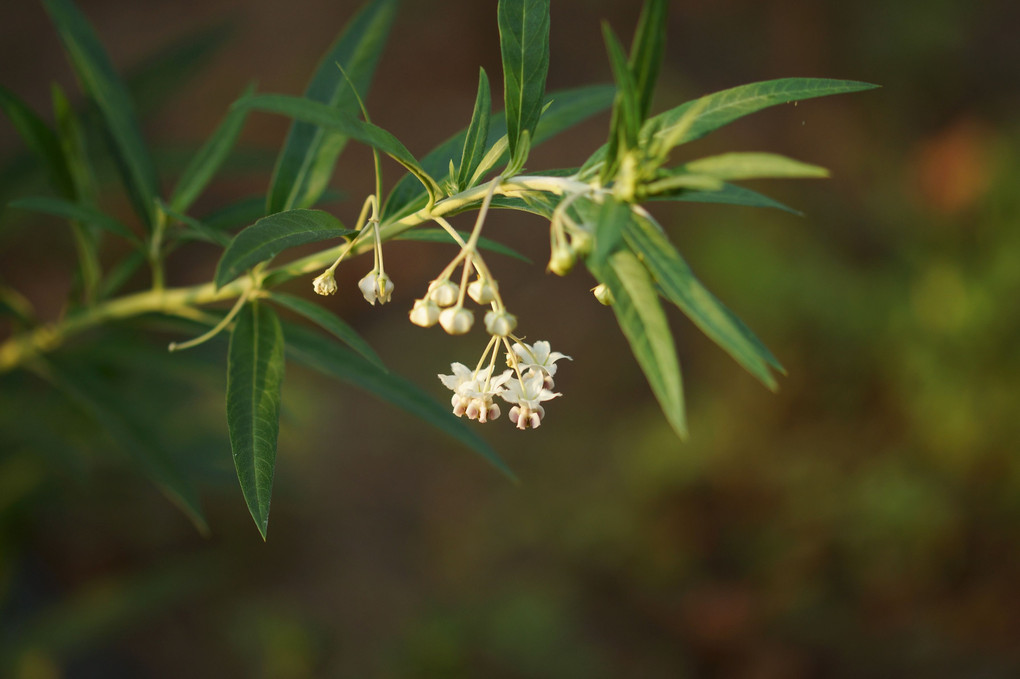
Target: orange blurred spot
{"points": [[952, 168]]}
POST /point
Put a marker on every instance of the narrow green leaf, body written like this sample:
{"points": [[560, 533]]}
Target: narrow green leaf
{"points": [[565, 109], [644, 324], [306, 162], [271, 235], [731, 166], [475, 142], [100, 81], [330, 358], [330, 322], [113, 411], [440, 236], [63, 208], [722, 108], [207, 161], [677, 181], [72, 142], [646, 52], [680, 287], [611, 218], [121, 273], [333, 119], [624, 125], [39, 138], [255, 364], [524, 46], [731, 194]]}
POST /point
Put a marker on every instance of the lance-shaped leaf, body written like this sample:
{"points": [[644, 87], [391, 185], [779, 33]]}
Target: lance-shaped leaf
{"points": [[563, 110], [193, 229], [679, 286], [732, 166], [101, 82], [440, 236], [64, 208], [625, 123], [306, 162], [330, 358], [255, 365], [476, 140], [644, 324], [271, 235], [334, 119], [207, 161], [39, 138], [330, 322], [610, 219], [722, 108], [646, 52], [729, 194], [524, 46]]}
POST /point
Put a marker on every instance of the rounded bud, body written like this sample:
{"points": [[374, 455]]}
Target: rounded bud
{"points": [[482, 291], [368, 288], [456, 320], [500, 323], [562, 261], [383, 287], [424, 313], [580, 242], [325, 283], [444, 293], [603, 294]]}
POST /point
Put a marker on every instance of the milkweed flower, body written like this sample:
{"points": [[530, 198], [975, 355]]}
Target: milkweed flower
{"points": [[537, 357], [325, 283], [473, 391], [527, 395]]}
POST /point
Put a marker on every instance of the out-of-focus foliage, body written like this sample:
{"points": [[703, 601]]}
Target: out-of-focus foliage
{"points": [[861, 523]]}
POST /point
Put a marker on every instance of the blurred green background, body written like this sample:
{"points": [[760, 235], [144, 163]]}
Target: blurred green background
{"points": [[862, 522]]}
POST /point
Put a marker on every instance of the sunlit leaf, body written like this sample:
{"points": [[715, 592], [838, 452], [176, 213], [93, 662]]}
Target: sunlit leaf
{"points": [[329, 321], [476, 140], [646, 328], [271, 235], [524, 46], [335, 360], [306, 162], [680, 287], [255, 365], [729, 194], [733, 166], [104, 86]]}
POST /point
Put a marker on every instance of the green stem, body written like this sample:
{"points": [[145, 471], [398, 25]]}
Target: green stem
{"points": [[22, 347]]}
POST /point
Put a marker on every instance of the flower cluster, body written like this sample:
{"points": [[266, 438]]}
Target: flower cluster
{"points": [[526, 384]]}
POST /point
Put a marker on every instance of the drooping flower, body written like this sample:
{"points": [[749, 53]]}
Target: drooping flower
{"points": [[537, 357], [500, 323], [473, 391], [424, 313], [325, 283], [456, 320], [527, 395], [376, 286], [482, 291], [444, 293]]}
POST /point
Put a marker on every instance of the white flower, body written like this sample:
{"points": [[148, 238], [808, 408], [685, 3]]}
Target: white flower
{"points": [[500, 323], [456, 320], [444, 293], [325, 283], [537, 357], [473, 391], [424, 313], [527, 395], [376, 285], [481, 291]]}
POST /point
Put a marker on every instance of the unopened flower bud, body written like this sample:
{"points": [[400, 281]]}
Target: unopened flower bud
{"points": [[603, 294], [500, 323], [444, 293], [424, 313], [580, 242], [325, 283], [367, 287], [456, 320], [482, 291], [383, 287], [561, 261]]}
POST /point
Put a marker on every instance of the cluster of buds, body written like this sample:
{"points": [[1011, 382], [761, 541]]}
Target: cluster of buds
{"points": [[444, 304], [525, 384]]}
